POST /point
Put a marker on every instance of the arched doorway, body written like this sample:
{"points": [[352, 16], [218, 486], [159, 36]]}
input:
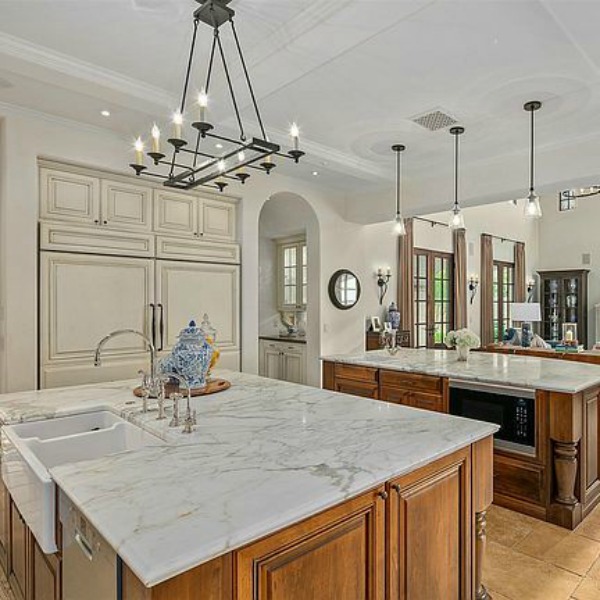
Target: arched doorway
{"points": [[286, 221]]}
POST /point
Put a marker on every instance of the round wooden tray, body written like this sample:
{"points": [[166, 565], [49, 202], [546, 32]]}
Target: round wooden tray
{"points": [[212, 387]]}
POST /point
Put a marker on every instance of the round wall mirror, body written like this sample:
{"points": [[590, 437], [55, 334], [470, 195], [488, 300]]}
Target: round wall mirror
{"points": [[344, 289]]}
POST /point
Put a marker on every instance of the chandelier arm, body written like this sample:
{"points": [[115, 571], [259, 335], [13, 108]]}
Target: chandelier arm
{"points": [[231, 92], [224, 138], [211, 61], [189, 67], [250, 88]]}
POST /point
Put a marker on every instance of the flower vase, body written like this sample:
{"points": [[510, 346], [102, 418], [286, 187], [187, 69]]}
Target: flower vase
{"points": [[462, 353]]}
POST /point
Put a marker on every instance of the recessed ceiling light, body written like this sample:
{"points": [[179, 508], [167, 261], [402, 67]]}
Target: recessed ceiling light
{"points": [[105, 113], [219, 146], [315, 173]]}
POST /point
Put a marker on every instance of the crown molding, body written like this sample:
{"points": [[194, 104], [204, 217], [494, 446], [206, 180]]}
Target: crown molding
{"points": [[21, 49]]}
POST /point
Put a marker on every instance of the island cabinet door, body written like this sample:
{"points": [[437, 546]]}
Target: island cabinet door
{"points": [[429, 521], [338, 554]]}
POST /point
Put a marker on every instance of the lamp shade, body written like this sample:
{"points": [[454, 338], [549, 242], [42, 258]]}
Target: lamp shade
{"points": [[525, 311]]}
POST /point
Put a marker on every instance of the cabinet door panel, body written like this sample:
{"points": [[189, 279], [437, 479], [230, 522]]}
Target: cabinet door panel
{"points": [[69, 196], [218, 220], [84, 297], [427, 401], [396, 395], [431, 559], [188, 290], [18, 553], [4, 524], [294, 366], [338, 554], [175, 213], [45, 577], [126, 206]]}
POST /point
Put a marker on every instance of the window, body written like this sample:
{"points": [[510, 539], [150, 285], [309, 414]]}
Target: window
{"points": [[293, 274], [503, 294], [434, 297]]}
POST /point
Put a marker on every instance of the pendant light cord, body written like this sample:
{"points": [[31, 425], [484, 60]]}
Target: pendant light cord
{"points": [[531, 154], [455, 171], [398, 173]]}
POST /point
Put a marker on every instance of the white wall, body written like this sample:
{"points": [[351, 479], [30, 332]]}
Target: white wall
{"points": [[565, 237]]}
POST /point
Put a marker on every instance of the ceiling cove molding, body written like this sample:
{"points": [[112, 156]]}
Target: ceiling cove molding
{"points": [[68, 65], [8, 109]]}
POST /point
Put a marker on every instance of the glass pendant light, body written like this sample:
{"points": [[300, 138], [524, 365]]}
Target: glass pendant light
{"points": [[457, 220], [533, 210], [399, 228]]}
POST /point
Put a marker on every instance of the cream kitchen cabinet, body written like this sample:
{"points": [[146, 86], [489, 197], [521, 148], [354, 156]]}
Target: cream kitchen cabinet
{"points": [[183, 214], [282, 360], [82, 298], [88, 200], [186, 290], [69, 196]]}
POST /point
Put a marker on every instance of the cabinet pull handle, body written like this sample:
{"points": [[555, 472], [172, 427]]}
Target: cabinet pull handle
{"points": [[105, 222], [97, 221], [395, 487], [161, 326], [153, 324], [383, 495]]}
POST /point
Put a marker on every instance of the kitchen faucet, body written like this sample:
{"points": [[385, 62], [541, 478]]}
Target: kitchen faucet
{"points": [[150, 383], [190, 416]]}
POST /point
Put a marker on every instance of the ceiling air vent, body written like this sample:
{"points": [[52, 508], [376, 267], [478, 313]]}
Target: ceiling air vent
{"points": [[434, 120]]}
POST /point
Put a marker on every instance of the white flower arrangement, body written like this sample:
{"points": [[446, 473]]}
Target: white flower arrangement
{"points": [[462, 338]]}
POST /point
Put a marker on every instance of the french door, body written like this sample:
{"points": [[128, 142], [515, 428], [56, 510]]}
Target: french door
{"points": [[503, 294], [433, 297]]}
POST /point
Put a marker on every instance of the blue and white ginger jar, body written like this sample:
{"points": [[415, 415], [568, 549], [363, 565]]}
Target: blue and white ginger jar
{"points": [[190, 356]]}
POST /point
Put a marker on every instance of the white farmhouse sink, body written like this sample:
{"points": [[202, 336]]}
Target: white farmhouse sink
{"points": [[29, 450]]}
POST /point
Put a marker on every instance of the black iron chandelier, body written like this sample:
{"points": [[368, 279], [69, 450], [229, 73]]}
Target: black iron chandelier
{"points": [[189, 163]]}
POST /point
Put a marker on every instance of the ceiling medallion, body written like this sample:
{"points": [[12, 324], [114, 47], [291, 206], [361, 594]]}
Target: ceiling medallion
{"points": [[192, 162]]}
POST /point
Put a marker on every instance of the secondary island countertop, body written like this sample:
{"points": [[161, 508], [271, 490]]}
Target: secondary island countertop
{"points": [[265, 454], [501, 369]]}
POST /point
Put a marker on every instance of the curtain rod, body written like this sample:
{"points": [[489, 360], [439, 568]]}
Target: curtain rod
{"points": [[503, 239], [431, 222]]}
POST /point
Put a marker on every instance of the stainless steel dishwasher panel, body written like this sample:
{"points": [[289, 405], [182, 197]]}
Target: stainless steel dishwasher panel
{"points": [[89, 564]]}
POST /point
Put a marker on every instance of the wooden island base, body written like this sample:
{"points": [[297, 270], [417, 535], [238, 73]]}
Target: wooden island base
{"points": [[560, 483], [420, 536]]}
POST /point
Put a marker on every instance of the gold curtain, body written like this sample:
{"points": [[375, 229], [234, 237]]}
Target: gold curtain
{"points": [[520, 277], [406, 279], [486, 289], [460, 278]]}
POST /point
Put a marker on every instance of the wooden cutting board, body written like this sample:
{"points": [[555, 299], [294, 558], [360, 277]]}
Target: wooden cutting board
{"points": [[212, 387]]}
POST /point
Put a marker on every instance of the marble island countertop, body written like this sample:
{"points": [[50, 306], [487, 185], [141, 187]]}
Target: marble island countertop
{"points": [[265, 454], [486, 367]]}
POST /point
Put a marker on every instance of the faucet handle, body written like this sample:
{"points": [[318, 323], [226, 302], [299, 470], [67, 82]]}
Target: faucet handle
{"points": [[175, 421]]}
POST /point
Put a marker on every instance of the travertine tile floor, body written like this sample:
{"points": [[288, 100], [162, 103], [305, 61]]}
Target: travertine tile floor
{"points": [[531, 560], [528, 559]]}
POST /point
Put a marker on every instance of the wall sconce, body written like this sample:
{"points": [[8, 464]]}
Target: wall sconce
{"points": [[473, 286], [530, 289], [382, 282]]}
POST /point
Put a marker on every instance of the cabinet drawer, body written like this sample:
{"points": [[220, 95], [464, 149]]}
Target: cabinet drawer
{"points": [[175, 248], [357, 388], [356, 372], [428, 401], [413, 381], [396, 396], [94, 240]]}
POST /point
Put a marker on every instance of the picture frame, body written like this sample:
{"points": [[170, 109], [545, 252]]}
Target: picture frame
{"points": [[376, 324]]}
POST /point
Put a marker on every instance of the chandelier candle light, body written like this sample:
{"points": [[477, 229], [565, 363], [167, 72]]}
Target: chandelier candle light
{"points": [[533, 210], [192, 161], [457, 220], [399, 228]]}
